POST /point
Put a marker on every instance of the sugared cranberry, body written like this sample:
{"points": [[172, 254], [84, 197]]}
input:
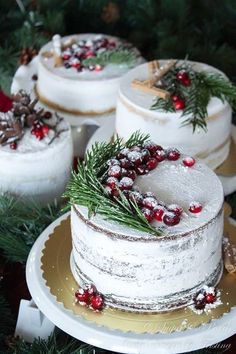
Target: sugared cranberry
{"points": [[145, 155], [111, 182], [45, 129], [126, 183], [189, 161], [13, 145], [176, 209], [114, 171], [152, 163], [97, 302], [173, 154], [98, 67], [141, 170], [123, 153], [160, 155], [135, 157], [195, 207], [210, 298], [148, 214], [179, 104], [171, 219], [125, 163], [131, 174], [47, 115], [136, 197], [158, 213], [136, 148], [113, 162], [150, 202], [83, 295], [152, 147]]}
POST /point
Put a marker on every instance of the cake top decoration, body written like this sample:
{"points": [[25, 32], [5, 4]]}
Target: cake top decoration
{"points": [[25, 115], [178, 86], [115, 181]]}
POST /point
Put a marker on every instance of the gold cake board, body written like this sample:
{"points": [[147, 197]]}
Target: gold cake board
{"points": [[55, 265]]}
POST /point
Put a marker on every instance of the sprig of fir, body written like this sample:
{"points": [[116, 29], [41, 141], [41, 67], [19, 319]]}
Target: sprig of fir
{"points": [[118, 57], [204, 86], [86, 189]]}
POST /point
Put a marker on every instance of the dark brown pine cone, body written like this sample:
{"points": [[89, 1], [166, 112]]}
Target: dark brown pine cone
{"points": [[27, 54]]}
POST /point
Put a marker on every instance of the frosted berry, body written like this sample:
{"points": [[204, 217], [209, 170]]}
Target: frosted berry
{"points": [[176, 209], [131, 174], [47, 115], [148, 214], [141, 170], [179, 104], [199, 304], [171, 219], [195, 207], [13, 146], [136, 148], [210, 298], [150, 202], [90, 54], [152, 163], [98, 67], [112, 182], [126, 183], [158, 213], [173, 154], [152, 147], [135, 157], [136, 197], [189, 161], [123, 153], [175, 98], [97, 302], [160, 155], [45, 129], [145, 155], [113, 162], [114, 171], [125, 163], [83, 295]]}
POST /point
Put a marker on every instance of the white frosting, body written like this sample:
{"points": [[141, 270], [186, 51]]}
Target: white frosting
{"points": [[86, 91], [133, 113], [135, 267], [36, 169]]}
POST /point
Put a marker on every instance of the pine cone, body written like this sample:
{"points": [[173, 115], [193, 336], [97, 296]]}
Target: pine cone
{"points": [[27, 54], [10, 128], [25, 108], [111, 13]]}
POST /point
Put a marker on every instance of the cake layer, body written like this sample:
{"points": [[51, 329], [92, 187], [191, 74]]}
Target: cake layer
{"points": [[133, 113], [141, 272], [84, 92], [37, 169]]}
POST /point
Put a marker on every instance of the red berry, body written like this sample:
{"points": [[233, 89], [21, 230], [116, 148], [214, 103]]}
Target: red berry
{"points": [[66, 56], [114, 171], [186, 82], [75, 63], [179, 104], [126, 183], [152, 147], [83, 296], [111, 182], [145, 155], [148, 214], [173, 154], [182, 75], [115, 193], [47, 115], [141, 170], [13, 145], [135, 157], [174, 208], [189, 161], [136, 197], [45, 129], [152, 163], [150, 202], [195, 207], [158, 213], [200, 304], [113, 162], [98, 67], [97, 302], [160, 155], [131, 174], [123, 153], [175, 98], [136, 148], [171, 219], [125, 163], [90, 54], [210, 298]]}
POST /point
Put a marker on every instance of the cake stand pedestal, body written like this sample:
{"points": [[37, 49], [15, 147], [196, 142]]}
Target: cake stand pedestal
{"points": [[116, 340], [83, 127], [105, 133]]}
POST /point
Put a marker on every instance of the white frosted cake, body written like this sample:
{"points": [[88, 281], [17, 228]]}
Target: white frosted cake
{"points": [[80, 74], [173, 245], [35, 152], [207, 132]]}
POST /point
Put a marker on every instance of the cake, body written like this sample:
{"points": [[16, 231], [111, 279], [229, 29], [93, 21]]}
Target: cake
{"points": [[35, 151], [147, 226], [179, 103], [80, 74]]}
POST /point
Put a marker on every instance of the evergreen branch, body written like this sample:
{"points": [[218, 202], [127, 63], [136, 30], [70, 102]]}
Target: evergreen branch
{"points": [[117, 57], [86, 189]]}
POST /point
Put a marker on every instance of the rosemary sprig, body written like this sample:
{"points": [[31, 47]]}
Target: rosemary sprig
{"points": [[118, 57], [204, 85], [86, 189]]}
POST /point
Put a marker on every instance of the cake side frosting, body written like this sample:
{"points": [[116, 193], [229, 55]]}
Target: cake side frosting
{"points": [[137, 271], [84, 91], [133, 112]]}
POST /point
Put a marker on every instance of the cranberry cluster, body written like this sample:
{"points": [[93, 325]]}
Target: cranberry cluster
{"points": [[183, 78], [40, 129], [90, 297], [75, 55], [134, 161], [203, 298]]}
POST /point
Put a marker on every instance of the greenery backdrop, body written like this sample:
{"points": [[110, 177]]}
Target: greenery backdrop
{"points": [[205, 30]]}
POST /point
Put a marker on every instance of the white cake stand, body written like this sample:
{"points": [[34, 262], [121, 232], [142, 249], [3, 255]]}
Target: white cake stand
{"points": [[115, 340], [83, 127], [105, 133]]}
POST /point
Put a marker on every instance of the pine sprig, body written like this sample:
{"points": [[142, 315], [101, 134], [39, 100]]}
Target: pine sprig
{"points": [[204, 86], [118, 57], [86, 189]]}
